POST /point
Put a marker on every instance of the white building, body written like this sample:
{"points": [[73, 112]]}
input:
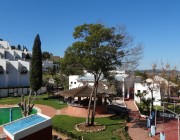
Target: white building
{"points": [[6, 52], [48, 64], [126, 82], [147, 89], [14, 70], [73, 82]]}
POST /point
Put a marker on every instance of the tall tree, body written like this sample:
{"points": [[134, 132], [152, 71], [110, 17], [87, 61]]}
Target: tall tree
{"points": [[36, 66], [98, 50], [19, 47]]}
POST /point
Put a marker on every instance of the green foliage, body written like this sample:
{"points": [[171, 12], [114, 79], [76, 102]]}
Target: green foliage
{"points": [[142, 74], [36, 65], [28, 56], [98, 49], [13, 47], [41, 99], [19, 47], [46, 55]]}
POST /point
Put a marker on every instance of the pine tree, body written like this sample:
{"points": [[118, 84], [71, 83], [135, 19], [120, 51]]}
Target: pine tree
{"points": [[36, 66]]}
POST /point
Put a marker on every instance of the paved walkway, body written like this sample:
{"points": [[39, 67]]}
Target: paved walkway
{"points": [[136, 129], [169, 127]]}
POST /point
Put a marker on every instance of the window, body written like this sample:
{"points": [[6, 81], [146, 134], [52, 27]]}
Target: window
{"points": [[1, 70], [1, 46], [138, 91], [24, 70], [1, 56], [17, 57]]}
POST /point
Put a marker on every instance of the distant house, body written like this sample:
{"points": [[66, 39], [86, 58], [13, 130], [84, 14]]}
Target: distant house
{"points": [[48, 64]]}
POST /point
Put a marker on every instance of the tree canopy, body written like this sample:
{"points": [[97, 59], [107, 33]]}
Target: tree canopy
{"points": [[36, 65], [46, 55], [99, 50]]}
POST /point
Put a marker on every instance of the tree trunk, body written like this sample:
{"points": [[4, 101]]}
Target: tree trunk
{"points": [[26, 106], [89, 106], [152, 99], [94, 106]]}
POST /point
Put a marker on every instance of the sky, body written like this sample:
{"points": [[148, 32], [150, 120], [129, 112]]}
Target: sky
{"points": [[153, 23]]}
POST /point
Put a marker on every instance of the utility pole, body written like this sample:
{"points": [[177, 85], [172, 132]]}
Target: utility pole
{"points": [[178, 127]]}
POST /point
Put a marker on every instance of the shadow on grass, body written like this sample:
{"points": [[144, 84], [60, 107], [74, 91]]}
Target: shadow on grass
{"points": [[119, 116]]}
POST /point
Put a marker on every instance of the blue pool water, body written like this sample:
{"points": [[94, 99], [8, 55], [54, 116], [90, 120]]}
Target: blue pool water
{"points": [[24, 123]]}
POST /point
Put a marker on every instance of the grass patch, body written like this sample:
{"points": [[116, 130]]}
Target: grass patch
{"points": [[67, 123], [41, 99]]}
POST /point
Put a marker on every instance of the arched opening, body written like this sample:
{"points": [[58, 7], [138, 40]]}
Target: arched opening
{"points": [[1, 69], [24, 70], [1, 56]]}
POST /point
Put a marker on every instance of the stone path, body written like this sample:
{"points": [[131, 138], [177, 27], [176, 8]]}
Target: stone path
{"points": [[136, 129]]}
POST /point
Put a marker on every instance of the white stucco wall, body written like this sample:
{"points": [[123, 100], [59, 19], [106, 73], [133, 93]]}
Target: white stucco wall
{"points": [[3, 92], [2, 52], [3, 80], [5, 44], [47, 64], [141, 88], [12, 54], [73, 83], [18, 54], [12, 76]]}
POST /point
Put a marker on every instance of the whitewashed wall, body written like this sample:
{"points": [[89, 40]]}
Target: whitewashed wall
{"points": [[12, 76], [73, 83], [47, 64], [5, 44], [141, 88]]}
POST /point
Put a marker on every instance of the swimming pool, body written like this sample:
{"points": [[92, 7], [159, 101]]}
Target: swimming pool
{"points": [[5, 116], [36, 126]]}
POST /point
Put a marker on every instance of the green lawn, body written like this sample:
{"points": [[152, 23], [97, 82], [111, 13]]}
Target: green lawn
{"points": [[68, 123], [41, 99]]}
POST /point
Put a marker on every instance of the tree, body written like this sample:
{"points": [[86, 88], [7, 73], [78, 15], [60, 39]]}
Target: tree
{"points": [[36, 66], [26, 106], [98, 50], [46, 55], [142, 74], [13, 47], [19, 47], [170, 74]]}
